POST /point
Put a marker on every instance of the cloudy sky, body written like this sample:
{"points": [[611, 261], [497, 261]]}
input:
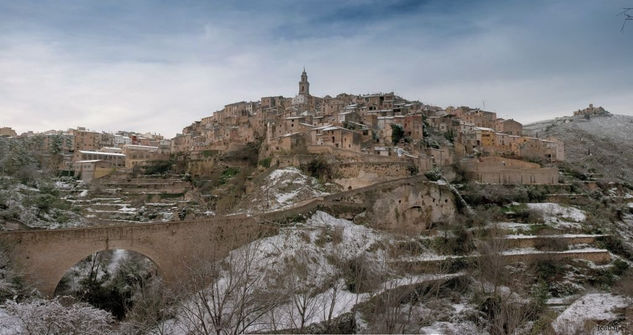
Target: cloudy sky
{"points": [[160, 65]]}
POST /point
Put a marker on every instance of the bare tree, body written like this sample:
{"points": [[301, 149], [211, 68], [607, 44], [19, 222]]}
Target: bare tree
{"points": [[393, 309], [225, 297], [506, 310], [152, 306], [302, 293], [506, 313], [626, 12], [330, 299], [491, 261]]}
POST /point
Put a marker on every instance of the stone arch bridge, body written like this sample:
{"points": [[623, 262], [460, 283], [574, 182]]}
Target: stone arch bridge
{"points": [[43, 256]]}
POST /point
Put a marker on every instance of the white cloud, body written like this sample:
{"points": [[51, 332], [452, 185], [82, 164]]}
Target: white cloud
{"points": [[526, 65]]}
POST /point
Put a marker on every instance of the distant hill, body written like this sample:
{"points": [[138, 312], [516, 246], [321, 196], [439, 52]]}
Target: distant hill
{"points": [[601, 145]]}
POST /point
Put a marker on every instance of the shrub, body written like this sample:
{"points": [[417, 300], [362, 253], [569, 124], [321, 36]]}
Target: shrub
{"points": [[319, 168], [51, 317], [450, 135], [459, 244], [548, 269], [227, 174], [619, 267], [265, 162], [624, 286], [359, 276], [433, 175], [305, 236], [526, 214], [614, 245], [536, 194], [397, 133], [413, 170], [602, 278], [337, 235], [158, 167], [408, 247], [477, 194]]}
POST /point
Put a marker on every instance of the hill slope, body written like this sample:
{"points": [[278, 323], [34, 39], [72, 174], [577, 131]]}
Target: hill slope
{"points": [[600, 144]]}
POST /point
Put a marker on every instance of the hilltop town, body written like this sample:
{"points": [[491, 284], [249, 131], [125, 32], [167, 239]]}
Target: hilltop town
{"points": [[380, 129]]}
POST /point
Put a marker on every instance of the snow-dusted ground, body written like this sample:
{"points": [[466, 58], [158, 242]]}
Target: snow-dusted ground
{"points": [[521, 236], [517, 226], [292, 243], [532, 251], [287, 186], [10, 324], [451, 328], [283, 188], [594, 306], [278, 256], [560, 216]]}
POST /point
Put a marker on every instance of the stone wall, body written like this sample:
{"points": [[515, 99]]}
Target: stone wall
{"points": [[531, 242], [200, 167], [498, 170], [597, 256], [360, 174]]}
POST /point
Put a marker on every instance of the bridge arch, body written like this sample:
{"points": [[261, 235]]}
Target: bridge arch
{"points": [[57, 277], [56, 262]]}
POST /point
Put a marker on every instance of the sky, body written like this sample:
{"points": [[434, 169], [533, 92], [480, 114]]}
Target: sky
{"points": [[158, 66]]}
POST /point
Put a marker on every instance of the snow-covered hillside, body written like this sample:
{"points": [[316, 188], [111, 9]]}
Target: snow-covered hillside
{"points": [[283, 188], [306, 267], [602, 145], [23, 206]]}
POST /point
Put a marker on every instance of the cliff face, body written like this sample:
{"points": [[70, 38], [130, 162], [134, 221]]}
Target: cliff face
{"points": [[600, 145], [407, 207]]}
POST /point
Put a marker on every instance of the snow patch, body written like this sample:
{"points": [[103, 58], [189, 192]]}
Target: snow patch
{"points": [[283, 188], [453, 328], [594, 306], [560, 216]]}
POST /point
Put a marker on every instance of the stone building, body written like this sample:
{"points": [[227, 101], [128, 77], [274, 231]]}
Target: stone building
{"points": [[139, 155], [89, 170], [293, 142], [497, 170], [89, 141], [591, 111], [336, 137], [413, 128], [509, 127], [113, 158], [7, 132]]}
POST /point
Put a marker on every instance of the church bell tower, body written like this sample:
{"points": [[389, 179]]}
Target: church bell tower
{"points": [[304, 85]]}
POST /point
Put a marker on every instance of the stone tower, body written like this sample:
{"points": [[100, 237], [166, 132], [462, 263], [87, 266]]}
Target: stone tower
{"points": [[304, 85]]}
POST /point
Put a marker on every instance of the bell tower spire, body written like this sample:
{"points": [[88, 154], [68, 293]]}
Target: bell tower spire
{"points": [[304, 85]]}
